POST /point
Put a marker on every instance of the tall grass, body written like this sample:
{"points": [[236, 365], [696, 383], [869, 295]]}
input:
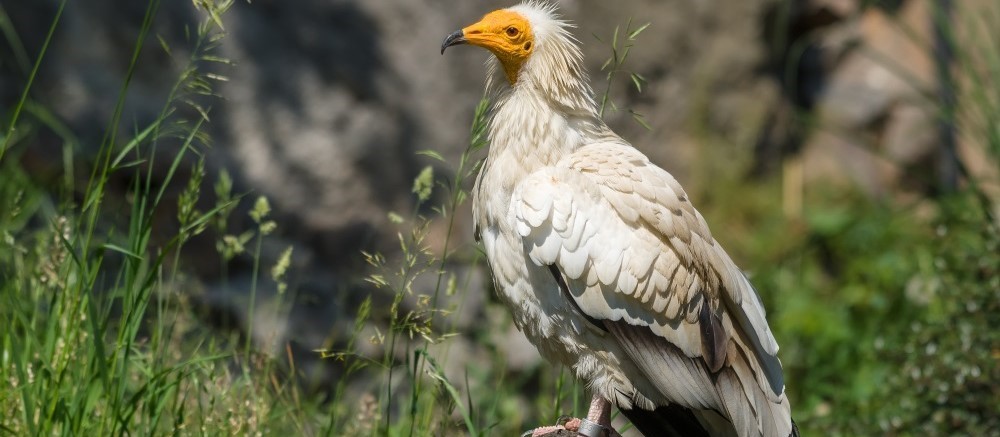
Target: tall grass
{"points": [[96, 338]]}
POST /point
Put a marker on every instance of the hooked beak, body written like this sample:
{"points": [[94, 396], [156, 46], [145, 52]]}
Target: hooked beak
{"points": [[457, 37]]}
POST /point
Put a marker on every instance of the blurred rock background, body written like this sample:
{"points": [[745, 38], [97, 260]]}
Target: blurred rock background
{"points": [[329, 101]]}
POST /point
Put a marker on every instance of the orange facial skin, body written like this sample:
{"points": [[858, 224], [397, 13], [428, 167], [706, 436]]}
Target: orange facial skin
{"points": [[506, 34]]}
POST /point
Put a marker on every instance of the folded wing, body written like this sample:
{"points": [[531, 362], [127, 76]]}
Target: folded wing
{"points": [[637, 256]]}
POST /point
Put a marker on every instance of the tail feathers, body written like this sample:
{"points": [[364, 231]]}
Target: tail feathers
{"points": [[752, 408], [739, 399]]}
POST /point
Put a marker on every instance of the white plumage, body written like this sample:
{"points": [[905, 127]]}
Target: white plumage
{"points": [[605, 264]]}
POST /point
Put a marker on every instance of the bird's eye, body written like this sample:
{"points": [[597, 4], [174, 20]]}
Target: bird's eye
{"points": [[512, 32]]}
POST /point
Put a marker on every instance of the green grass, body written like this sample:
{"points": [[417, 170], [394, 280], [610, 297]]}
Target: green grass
{"points": [[96, 339], [99, 339]]}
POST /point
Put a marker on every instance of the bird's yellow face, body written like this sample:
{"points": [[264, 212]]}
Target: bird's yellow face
{"points": [[505, 33]]}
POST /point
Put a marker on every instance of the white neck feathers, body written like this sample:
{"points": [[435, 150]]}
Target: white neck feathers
{"points": [[550, 110]]}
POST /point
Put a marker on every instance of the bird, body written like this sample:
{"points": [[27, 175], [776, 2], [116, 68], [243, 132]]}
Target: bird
{"points": [[605, 264]]}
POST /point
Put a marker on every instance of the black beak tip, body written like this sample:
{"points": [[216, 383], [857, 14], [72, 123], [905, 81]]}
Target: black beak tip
{"points": [[455, 38]]}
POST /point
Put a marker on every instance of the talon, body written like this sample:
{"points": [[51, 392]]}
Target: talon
{"points": [[564, 419], [564, 423], [573, 424]]}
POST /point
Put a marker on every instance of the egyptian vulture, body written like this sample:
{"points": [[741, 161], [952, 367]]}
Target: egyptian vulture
{"points": [[606, 266]]}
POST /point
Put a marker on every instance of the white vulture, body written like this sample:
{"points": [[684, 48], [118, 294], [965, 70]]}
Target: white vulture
{"points": [[606, 266]]}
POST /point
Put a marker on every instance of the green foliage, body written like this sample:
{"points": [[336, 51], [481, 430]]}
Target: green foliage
{"points": [[621, 45], [945, 365], [884, 312], [95, 342], [884, 319]]}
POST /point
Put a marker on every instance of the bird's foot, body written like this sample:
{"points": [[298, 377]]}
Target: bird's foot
{"points": [[572, 427], [566, 426]]}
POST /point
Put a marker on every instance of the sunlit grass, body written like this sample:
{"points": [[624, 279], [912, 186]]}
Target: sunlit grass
{"points": [[96, 340]]}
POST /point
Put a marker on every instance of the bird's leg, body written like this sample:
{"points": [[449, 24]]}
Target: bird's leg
{"points": [[596, 424], [600, 411]]}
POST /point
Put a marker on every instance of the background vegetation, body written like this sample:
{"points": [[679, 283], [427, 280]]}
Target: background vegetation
{"points": [[887, 311]]}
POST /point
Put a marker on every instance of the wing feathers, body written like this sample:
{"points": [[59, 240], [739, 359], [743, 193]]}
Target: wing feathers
{"points": [[713, 337], [573, 263], [681, 377]]}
